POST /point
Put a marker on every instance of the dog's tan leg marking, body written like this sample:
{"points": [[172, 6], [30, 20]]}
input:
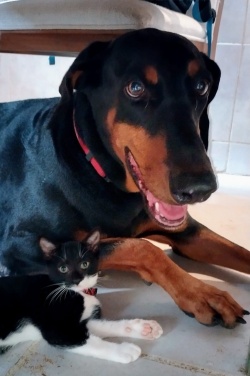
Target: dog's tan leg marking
{"points": [[189, 293], [212, 248], [203, 245]]}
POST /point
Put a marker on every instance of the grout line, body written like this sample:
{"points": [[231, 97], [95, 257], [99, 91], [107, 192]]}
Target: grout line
{"points": [[231, 142], [186, 366], [245, 25], [232, 44]]}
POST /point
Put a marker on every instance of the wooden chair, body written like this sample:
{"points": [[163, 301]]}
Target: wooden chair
{"points": [[65, 27]]}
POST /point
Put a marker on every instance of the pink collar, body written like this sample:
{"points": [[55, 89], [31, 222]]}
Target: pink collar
{"points": [[89, 156]]}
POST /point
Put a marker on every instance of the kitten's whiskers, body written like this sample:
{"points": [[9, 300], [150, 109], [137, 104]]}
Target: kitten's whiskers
{"points": [[55, 284], [57, 293], [83, 254]]}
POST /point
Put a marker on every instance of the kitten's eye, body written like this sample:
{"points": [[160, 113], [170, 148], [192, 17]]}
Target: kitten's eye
{"points": [[84, 265], [63, 269]]}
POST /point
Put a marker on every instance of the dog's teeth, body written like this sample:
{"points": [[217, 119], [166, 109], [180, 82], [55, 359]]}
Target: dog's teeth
{"points": [[157, 207]]}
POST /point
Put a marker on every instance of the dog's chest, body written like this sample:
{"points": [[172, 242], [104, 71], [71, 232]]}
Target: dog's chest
{"points": [[112, 217]]}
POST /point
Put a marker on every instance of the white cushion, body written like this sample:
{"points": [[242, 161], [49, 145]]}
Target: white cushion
{"points": [[96, 14]]}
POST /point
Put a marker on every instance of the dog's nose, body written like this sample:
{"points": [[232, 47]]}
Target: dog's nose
{"points": [[188, 189]]}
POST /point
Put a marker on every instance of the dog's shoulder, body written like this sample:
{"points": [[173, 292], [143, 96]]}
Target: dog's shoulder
{"points": [[16, 112], [19, 120]]}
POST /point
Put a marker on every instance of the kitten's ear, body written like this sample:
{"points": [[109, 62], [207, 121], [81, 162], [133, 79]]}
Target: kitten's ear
{"points": [[47, 247], [93, 239]]}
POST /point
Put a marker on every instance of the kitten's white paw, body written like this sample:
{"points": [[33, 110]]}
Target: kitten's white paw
{"points": [[145, 329], [127, 353]]}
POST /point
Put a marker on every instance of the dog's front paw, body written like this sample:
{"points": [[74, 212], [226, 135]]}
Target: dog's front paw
{"points": [[210, 306]]}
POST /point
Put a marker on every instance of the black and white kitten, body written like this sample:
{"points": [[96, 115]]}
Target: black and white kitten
{"points": [[61, 307]]}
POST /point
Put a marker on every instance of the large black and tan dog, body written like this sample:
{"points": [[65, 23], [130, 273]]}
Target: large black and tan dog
{"points": [[122, 151]]}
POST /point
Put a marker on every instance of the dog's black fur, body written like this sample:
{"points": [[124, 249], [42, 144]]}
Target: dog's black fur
{"points": [[49, 189], [47, 186]]}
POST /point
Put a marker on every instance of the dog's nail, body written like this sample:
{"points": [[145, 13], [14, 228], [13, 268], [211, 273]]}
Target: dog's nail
{"points": [[240, 320], [147, 282], [245, 312], [189, 314], [217, 320]]}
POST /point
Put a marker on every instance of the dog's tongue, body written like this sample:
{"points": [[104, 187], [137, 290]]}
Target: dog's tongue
{"points": [[166, 214], [170, 212]]}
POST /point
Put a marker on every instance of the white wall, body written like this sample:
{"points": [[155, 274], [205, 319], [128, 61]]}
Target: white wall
{"points": [[230, 111]]}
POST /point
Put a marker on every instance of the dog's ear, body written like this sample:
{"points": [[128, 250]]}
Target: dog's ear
{"points": [[204, 120], [88, 58], [216, 74]]}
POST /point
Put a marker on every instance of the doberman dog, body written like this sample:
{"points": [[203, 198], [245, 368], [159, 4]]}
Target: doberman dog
{"points": [[121, 150]]}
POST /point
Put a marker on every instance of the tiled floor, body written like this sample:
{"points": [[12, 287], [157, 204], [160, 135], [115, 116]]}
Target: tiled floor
{"points": [[186, 347]]}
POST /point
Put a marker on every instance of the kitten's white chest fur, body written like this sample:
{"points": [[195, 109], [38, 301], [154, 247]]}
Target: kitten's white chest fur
{"points": [[86, 283], [90, 301], [90, 305]]}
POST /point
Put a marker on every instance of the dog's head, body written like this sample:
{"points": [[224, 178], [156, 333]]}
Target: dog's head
{"points": [[147, 92]]}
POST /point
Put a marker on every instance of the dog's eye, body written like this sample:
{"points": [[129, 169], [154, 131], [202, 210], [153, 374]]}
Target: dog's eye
{"points": [[135, 89], [201, 87]]}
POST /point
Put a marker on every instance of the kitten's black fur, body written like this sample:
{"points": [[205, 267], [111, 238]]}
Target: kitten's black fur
{"points": [[36, 301]]}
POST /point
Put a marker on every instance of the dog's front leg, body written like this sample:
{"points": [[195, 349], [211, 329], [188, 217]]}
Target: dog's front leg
{"points": [[206, 303], [199, 243]]}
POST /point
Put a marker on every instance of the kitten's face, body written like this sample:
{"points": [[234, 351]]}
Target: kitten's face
{"points": [[74, 264]]}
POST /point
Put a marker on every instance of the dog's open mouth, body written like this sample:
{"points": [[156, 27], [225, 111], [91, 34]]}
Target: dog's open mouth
{"points": [[167, 215]]}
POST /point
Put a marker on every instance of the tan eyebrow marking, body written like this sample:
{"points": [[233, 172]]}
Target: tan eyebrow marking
{"points": [[151, 75], [193, 67]]}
